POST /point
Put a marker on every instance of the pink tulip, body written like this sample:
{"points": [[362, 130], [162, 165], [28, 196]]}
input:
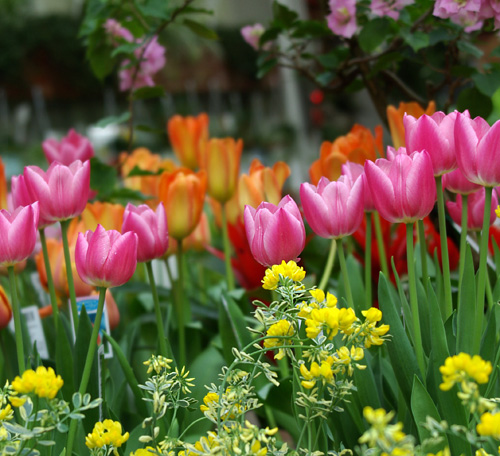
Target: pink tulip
{"points": [[106, 258], [435, 134], [62, 191], [71, 148], [392, 152], [355, 170], [275, 233], [403, 189], [333, 209], [151, 230], [475, 209], [478, 148], [18, 232], [21, 196], [456, 182]]}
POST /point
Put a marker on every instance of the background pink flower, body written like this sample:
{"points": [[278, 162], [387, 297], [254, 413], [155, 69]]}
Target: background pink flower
{"points": [[71, 148], [342, 19], [389, 8]]}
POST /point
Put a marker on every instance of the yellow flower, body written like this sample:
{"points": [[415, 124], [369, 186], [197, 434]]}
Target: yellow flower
{"points": [[209, 399], [148, 451], [326, 320], [445, 452], [281, 328], [489, 425], [497, 211], [17, 401], [43, 382], [6, 413], [157, 364], [346, 319], [463, 367], [345, 357], [106, 433], [317, 372], [372, 315], [482, 452], [288, 270]]}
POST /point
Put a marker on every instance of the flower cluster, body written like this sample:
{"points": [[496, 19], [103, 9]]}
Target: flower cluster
{"points": [[43, 382], [106, 435]]}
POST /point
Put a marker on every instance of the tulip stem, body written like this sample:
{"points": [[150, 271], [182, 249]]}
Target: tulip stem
{"points": [[181, 305], [368, 261], [380, 244], [88, 365], [69, 272], [329, 265], [445, 261], [417, 335], [17, 320], [227, 250], [50, 279], [159, 317], [345, 274], [482, 271], [423, 250], [463, 241]]}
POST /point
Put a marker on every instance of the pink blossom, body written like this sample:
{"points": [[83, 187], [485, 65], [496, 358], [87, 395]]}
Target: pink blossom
{"points": [[252, 33], [22, 196], [355, 170], [342, 19], [115, 30], [466, 13], [456, 182], [389, 8], [71, 148], [475, 209]]}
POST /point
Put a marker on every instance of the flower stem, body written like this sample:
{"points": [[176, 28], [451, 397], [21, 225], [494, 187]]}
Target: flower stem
{"points": [[88, 364], [159, 317], [227, 250], [368, 261], [345, 274], [423, 250], [380, 244], [50, 279], [329, 265], [417, 335], [180, 304], [463, 241], [17, 320], [448, 304], [69, 272], [482, 271]]}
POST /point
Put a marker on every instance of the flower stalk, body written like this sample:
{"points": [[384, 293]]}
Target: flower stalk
{"points": [[50, 279], [69, 273], [17, 320]]}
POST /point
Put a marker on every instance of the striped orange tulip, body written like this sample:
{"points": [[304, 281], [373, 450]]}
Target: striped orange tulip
{"points": [[183, 194], [109, 215], [187, 135], [5, 309], [357, 146], [395, 118], [3, 186]]}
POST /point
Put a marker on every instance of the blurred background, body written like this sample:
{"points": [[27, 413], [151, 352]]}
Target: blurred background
{"points": [[47, 87]]}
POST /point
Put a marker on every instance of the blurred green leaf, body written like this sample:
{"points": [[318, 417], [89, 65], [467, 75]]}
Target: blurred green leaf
{"points": [[469, 48], [311, 29], [149, 92], [136, 171], [112, 120], [476, 102], [374, 33], [158, 9], [266, 67], [103, 178], [98, 54], [329, 60], [466, 309], [415, 39], [126, 48], [487, 83], [283, 16], [64, 360], [200, 29]]}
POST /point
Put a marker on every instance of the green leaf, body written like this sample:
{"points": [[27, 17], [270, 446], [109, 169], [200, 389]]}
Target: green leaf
{"points": [[311, 29], [476, 102], [324, 79], [112, 120], [423, 406], [283, 16], [374, 33], [64, 359], [329, 60], [127, 194], [136, 171], [400, 351], [200, 29], [266, 67], [149, 92], [148, 129], [487, 83], [103, 178], [415, 39], [469, 48], [466, 307], [270, 34], [98, 54], [126, 48], [158, 9]]}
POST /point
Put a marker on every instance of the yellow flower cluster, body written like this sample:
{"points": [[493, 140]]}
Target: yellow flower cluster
{"points": [[323, 373], [43, 382], [371, 332], [320, 301], [330, 320], [157, 364], [280, 328], [6, 413], [464, 368], [288, 270], [389, 437], [148, 451], [489, 425], [106, 433]]}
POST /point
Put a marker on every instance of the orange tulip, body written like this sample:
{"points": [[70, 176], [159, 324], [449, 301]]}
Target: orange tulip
{"points": [[3, 186], [220, 158], [110, 216], [395, 118], [183, 194], [5, 309], [145, 160], [357, 146], [187, 135]]}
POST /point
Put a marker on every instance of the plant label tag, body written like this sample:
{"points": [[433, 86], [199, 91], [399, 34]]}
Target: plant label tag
{"points": [[35, 329], [90, 303]]}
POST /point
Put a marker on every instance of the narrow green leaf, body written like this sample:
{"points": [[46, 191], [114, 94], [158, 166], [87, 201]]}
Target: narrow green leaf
{"points": [[266, 67], [103, 178], [200, 29], [113, 120], [64, 361], [466, 307]]}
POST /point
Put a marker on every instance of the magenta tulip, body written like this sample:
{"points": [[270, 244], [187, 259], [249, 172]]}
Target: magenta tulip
{"points": [[403, 189], [478, 149], [18, 232], [275, 233], [151, 230], [62, 191], [71, 148], [456, 182], [333, 209], [355, 170], [21, 196], [475, 209], [435, 134], [106, 258]]}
